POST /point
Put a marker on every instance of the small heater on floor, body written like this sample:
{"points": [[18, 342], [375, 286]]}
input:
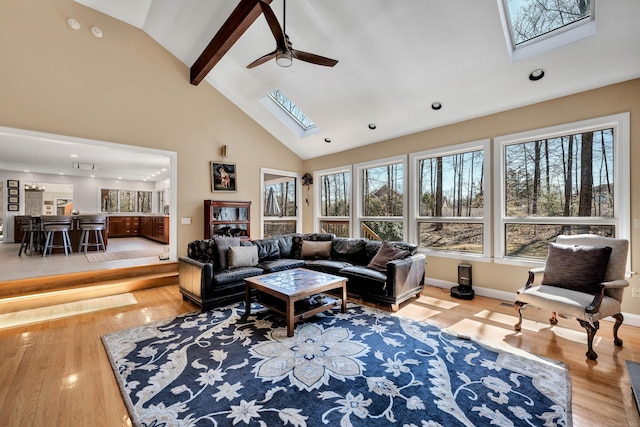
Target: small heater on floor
{"points": [[464, 290]]}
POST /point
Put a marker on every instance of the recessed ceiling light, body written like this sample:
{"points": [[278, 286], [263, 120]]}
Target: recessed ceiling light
{"points": [[536, 75], [436, 106], [327, 140], [372, 126], [73, 155], [119, 177], [73, 23], [97, 32]]}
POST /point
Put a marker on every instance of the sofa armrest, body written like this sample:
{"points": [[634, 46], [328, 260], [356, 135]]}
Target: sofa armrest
{"points": [[195, 277], [405, 275]]}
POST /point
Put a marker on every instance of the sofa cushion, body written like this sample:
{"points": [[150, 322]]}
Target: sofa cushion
{"points": [[579, 268], [329, 266], [280, 265], [349, 250], [243, 256], [236, 275], [316, 250], [202, 250], [222, 250], [285, 244], [360, 274], [387, 252], [296, 251], [268, 249]]}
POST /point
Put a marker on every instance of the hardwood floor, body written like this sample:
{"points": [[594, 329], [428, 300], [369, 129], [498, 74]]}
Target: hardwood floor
{"points": [[56, 372]]}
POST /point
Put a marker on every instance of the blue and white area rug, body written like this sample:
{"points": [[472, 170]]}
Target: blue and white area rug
{"points": [[363, 368]]}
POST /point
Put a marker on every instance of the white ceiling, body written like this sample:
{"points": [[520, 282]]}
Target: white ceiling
{"points": [[36, 152], [395, 59]]}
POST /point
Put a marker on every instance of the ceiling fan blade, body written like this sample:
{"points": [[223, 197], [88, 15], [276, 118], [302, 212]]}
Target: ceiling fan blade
{"points": [[263, 59], [313, 58], [274, 25]]}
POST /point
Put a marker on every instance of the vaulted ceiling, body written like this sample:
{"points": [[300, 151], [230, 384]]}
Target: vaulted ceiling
{"points": [[396, 58]]}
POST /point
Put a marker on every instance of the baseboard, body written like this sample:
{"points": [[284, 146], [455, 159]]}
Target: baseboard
{"points": [[629, 318]]}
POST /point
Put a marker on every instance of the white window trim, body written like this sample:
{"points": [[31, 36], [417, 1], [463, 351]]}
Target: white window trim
{"points": [[298, 217], [483, 145], [622, 185], [318, 217], [356, 179]]}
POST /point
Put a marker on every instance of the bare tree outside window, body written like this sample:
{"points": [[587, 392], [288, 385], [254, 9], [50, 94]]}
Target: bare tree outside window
{"points": [[382, 197], [450, 193], [568, 176], [335, 203], [534, 18]]}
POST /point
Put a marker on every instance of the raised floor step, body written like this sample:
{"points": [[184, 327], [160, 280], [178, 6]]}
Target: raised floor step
{"points": [[31, 293]]}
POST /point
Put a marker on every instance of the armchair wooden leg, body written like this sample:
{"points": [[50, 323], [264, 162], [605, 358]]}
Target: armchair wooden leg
{"points": [[617, 341], [518, 306], [591, 332]]}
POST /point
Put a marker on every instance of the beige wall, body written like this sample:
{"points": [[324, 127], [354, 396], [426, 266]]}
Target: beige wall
{"points": [[614, 99], [125, 88]]}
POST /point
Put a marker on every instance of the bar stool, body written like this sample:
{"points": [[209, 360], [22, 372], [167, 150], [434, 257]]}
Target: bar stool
{"points": [[30, 235], [52, 224], [87, 224]]}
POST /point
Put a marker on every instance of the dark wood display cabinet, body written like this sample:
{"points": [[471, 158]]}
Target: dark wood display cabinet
{"points": [[224, 218]]}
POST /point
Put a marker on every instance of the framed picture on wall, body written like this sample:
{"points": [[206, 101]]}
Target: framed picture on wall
{"points": [[13, 183], [223, 177], [14, 199], [14, 192], [13, 208]]}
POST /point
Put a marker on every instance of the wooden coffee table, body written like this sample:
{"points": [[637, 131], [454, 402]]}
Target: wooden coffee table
{"points": [[287, 293]]}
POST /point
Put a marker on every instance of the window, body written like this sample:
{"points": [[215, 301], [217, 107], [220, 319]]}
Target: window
{"points": [[289, 113], [450, 197], [125, 201], [533, 27], [381, 199], [334, 204], [279, 203], [562, 180]]}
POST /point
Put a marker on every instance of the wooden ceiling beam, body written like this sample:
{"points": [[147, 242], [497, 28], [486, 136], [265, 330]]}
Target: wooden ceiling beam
{"points": [[240, 19]]}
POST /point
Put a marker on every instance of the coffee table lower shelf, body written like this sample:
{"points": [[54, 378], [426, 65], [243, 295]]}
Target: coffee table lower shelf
{"points": [[293, 294]]}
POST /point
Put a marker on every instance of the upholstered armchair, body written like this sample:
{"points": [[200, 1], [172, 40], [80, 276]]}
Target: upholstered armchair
{"points": [[584, 277]]}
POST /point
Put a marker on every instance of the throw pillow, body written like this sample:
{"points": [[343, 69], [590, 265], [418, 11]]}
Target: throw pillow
{"points": [[243, 256], [222, 247], [579, 268], [316, 250], [386, 253]]}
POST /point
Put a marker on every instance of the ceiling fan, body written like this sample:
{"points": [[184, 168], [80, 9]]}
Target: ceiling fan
{"points": [[284, 52]]}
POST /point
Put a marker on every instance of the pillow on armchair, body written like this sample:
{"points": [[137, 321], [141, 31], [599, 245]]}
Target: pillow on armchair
{"points": [[579, 268]]}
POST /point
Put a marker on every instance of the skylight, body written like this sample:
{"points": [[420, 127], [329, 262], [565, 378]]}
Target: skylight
{"points": [[533, 27], [292, 109]]}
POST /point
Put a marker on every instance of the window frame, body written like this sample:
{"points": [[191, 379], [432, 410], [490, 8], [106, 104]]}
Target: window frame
{"points": [[356, 179], [622, 187], [483, 145], [298, 182], [317, 179]]}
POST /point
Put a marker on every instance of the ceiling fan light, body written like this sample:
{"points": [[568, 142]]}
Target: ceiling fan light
{"points": [[284, 58]]}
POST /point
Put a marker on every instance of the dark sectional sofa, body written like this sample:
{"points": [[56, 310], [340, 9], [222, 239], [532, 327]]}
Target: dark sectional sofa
{"points": [[212, 274]]}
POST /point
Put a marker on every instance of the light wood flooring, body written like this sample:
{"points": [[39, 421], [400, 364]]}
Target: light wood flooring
{"points": [[56, 372]]}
